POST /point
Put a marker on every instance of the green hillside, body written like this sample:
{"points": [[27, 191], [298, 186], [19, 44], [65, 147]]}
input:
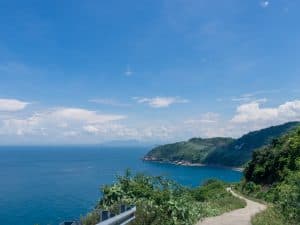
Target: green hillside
{"points": [[240, 151], [273, 175], [194, 150], [219, 151]]}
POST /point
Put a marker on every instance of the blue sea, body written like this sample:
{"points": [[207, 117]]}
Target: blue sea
{"points": [[47, 185]]}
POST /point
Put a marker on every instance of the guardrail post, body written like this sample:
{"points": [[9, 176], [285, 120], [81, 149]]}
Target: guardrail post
{"points": [[104, 215], [122, 208]]}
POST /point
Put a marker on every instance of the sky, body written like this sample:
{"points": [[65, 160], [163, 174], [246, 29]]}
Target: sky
{"points": [[87, 72]]}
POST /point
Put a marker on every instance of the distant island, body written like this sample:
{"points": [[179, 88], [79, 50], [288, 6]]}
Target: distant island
{"points": [[218, 151]]}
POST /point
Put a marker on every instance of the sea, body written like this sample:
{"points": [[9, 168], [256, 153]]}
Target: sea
{"points": [[48, 185]]}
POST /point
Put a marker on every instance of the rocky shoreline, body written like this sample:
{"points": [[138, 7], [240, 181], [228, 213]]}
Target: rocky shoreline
{"points": [[187, 163]]}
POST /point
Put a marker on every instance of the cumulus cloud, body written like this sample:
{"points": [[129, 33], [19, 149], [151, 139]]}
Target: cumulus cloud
{"points": [[209, 124], [254, 112], [12, 105], [78, 125], [56, 120], [78, 114], [111, 129], [248, 117], [161, 102], [18, 126]]}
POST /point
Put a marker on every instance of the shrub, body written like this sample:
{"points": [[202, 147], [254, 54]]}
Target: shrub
{"points": [[211, 189], [270, 216], [90, 219], [162, 201], [274, 175]]}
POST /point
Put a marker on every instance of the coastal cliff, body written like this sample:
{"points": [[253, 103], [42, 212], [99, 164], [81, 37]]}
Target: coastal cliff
{"points": [[218, 151]]}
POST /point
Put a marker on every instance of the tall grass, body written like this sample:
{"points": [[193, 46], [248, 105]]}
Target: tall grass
{"points": [[270, 216]]}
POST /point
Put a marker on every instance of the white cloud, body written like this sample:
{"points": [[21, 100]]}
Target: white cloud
{"points": [[253, 112], [128, 72], [78, 125], [256, 96], [70, 133], [91, 129], [63, 125], [12, 105], [108, 101], [83, 115], [20, 127], [112, 130], [264, 4], [57, 121], [249, 116], [160, 102], [245, 98], [206, 118], [209, 124]]}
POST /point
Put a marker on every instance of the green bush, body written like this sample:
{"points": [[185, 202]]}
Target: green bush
{"points": [[270, 216], [90, 219], [251, 188], [212, 189], [160, 201], [274, 176], [287, 196]]}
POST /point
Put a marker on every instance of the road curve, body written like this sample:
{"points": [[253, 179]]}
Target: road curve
{"points": [[236, 217]]}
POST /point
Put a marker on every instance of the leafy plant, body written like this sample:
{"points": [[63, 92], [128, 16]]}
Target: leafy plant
{"points": [[162, 201], [274, 175]]}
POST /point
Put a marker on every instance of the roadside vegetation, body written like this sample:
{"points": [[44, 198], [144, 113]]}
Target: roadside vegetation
{"points": [[161, 201], [273, 175], [271, 216]]}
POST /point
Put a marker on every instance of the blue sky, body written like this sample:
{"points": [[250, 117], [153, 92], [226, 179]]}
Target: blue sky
{"points": [[91, 71]]}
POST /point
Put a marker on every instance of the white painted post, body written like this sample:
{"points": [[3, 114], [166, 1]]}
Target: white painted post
{"points": [[121, 219]]}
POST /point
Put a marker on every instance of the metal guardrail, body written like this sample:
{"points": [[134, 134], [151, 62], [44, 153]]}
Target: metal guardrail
{"points": [[120, 219], [127, 214]]}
